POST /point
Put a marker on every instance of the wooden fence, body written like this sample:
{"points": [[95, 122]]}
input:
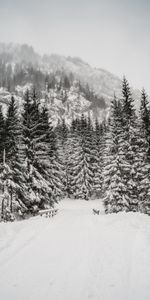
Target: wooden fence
{"points": [[48, 213]]}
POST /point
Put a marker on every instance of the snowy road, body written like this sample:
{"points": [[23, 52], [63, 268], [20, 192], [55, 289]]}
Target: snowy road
{"points": [[76, 256]]}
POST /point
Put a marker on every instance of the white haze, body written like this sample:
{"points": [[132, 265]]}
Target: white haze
{"points": [[110, 34]]}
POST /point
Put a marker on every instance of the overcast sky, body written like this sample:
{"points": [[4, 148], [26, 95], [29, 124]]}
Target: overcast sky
{"points": [[110, 34]]}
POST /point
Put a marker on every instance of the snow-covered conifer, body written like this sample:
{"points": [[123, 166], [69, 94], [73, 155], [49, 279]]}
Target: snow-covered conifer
{"points": [[115, 165]]}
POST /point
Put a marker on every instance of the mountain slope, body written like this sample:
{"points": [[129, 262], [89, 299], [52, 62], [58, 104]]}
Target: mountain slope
{"points": [[102, 82], [21, 66]]}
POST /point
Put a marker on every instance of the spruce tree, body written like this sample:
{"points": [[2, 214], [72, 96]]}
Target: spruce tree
{"points": [[40, 154], [145, 120], [64, 142], [52, 164], [115, 165], [98, 145], [12, 172], [12, 132], [38, 189], [82, 160], [130, 147], [2, 135], [144, 152]]}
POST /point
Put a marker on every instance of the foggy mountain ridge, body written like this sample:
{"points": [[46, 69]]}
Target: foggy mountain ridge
{"points": [[103, 83]]}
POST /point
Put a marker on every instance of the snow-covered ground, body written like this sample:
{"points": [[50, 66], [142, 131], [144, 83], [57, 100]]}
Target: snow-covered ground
{"points": [[76, 256]]}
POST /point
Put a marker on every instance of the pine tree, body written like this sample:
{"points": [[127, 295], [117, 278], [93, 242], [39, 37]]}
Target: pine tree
{"points": [[63, 142], [52, 163], [115, 165], [12, 178], [38, 189], [12, 132], [40, 154], [130, 147], [98, 145], [82, 164], [145, 120], [2, 135], [144, 152]]}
